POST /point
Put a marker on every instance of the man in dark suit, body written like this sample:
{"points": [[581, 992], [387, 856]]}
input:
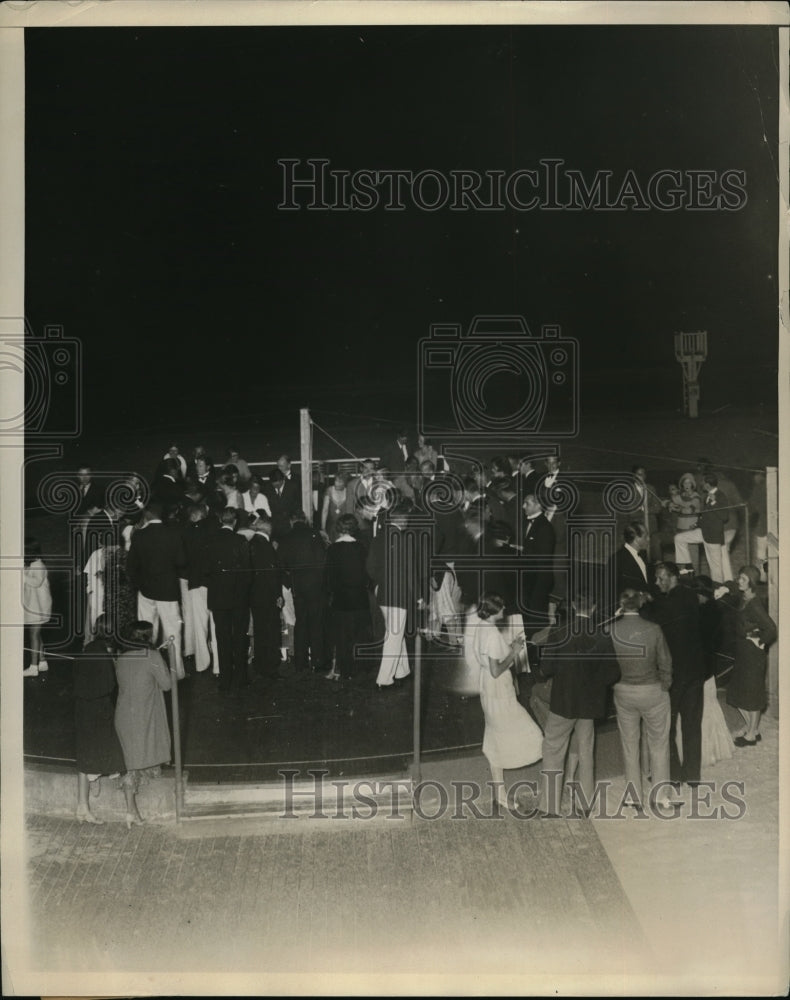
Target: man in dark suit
{"points": [[627, 568], [676, 609], [91, 496], [284, 502], [582, 668], [266, 598], [168, 490], [713, 517], [302, 557], [228, 575], [397, 453], [155, 560], [537, 577]]}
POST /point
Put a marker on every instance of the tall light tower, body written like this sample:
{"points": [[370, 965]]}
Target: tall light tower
{"points": [[691, 349]]}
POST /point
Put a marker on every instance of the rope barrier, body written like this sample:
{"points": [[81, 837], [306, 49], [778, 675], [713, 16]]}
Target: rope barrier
{"points": [[334, 440]]}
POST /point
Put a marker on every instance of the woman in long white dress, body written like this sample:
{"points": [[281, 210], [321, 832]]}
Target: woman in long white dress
{"points": [[511, 738]]}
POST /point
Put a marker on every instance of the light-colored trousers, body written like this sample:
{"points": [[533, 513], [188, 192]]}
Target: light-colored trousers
{"points": [[556, 737], [648, 702], [196, 626], [718, 556], [167, 615], [394, 657]]}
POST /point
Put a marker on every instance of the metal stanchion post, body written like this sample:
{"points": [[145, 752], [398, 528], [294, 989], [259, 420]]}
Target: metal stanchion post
{"points": [[416, 771], [179, 789]]}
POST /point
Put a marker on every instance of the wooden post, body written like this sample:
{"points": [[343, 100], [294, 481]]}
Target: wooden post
{"points": [[772, 496], [306, 455]]}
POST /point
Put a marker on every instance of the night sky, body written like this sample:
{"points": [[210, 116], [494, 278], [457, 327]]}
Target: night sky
{"points": [[153, 232]]}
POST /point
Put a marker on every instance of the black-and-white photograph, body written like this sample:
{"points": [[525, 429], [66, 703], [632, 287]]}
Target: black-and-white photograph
{"points": [[390, 452]]}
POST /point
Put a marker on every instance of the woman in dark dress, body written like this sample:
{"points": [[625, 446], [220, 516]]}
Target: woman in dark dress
{"points": [[98, 750], [754, 631], [347, 583]]}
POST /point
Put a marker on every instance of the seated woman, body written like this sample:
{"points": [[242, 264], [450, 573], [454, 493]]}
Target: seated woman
{"points": [[511, 738], [140, 716], [98, 750], [254, 499]]}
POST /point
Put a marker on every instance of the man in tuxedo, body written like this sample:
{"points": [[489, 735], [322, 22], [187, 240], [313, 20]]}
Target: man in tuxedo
{"points": [[154, 563], [397, 453], [651, 505], [266, 598], [302, 557], [710, 531], [284, 465], [676, 609], [581, 667], [229, 578], [627, 567], [537, 577], [283, 503]]}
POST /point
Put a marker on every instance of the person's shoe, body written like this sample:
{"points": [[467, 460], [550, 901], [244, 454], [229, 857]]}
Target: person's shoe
{"points": [[132, 820], [86, 816], [43, 666], [742, 741], [30, 672]]}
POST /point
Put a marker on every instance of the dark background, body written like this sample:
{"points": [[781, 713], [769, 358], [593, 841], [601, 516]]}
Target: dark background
{"points": [[153, 234]]}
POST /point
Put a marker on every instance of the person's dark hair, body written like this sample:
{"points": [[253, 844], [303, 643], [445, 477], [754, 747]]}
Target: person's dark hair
{"points": [[153, 512], [347, 525], [633, 531], [276, 476], [671, 567], [226, 479], [583, 601], [230, 470], [490, 605], [284, 457], [753, 575], [32, 549], [499, 464], [341, 476], [403, 432], [630, 599], [712, 478], [411, 465], [140, 633], [229, 515], [257, 480]]}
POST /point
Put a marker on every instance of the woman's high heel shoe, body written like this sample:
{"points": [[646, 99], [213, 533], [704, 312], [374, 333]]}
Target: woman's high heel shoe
{"points": [[132, 820], [333, 675], [86, 816]]}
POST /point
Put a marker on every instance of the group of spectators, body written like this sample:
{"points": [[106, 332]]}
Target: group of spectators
{"points": [[217, 565]]}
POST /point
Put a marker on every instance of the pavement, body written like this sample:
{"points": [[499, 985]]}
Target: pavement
{"points": [[461, 903]]}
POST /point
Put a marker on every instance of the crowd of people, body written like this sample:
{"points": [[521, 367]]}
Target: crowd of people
{"points": [[223, 569]]}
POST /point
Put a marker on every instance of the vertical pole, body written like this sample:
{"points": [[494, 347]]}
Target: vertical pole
{"points": [[416, 767], [176, 734], [772, 496], [306, 455]]}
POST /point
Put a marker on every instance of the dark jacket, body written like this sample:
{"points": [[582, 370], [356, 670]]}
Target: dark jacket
{"points": [[392, 570], [582, 668], [228, 571], [93, 497], [196, 537], [302, 556], [347, 578], [677, 612], [267, 582], [156, 559], [713, 517], [538, 547], [282, 506], [624, 574]]}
